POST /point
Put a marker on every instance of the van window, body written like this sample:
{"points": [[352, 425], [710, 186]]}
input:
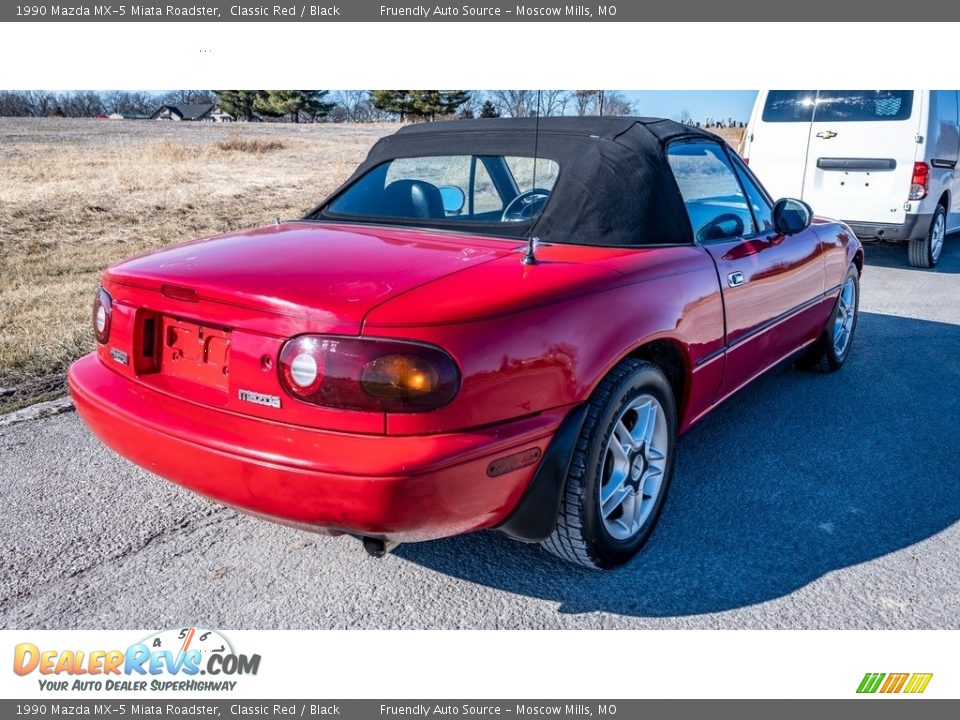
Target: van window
{"points": [[837, 105], [863, 105], [789, 106]]}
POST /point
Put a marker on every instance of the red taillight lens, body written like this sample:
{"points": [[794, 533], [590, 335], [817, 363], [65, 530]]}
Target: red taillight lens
{"points": [[102, 315], [368, 374], [920, 181]]}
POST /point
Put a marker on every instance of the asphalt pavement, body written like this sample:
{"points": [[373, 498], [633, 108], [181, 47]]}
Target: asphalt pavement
{"points": [[807, 501]]}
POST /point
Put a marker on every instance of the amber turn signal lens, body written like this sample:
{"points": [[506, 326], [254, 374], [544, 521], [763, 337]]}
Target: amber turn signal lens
{"points": [[371, 374], [399, 376]]}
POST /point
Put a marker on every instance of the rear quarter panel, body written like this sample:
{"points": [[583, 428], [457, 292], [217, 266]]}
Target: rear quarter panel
{"points": [[533, 337]]}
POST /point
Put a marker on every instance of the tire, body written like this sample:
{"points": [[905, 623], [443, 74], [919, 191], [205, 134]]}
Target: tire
{"points": [[635, 399], [925, 252], [826, 354]]}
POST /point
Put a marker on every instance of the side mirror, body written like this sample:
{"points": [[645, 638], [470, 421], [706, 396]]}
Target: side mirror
{"points": [[791, 216], [453, 199]]}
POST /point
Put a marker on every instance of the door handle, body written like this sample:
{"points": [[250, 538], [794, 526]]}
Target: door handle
{"points": [[735, 279]]}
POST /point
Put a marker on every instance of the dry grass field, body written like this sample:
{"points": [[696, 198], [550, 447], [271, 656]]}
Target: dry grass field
{"points": [[78, 195]]}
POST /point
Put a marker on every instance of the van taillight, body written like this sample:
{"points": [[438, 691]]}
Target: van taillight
{"points": [[920, 181]]}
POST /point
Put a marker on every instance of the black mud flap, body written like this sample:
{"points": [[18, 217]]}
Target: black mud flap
{"points": [[535, 516]]}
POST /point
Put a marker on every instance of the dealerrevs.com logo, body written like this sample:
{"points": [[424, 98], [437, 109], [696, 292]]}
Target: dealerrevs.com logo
{"points": [[888, 684], [179, 659]]}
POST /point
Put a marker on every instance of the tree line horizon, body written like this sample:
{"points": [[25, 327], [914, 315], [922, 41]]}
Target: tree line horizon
{"points": [[324, 105]]}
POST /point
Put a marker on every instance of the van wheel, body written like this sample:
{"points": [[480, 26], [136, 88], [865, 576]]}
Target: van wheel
{"points": [[620, 470], [925, 252]]}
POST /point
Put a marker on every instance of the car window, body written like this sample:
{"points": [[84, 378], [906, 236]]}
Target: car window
{"points": [[451, 188], [485, 196], [762, 209], [712, 195]]}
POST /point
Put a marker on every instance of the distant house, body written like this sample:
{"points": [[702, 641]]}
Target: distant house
{"points": [[197, 112]]}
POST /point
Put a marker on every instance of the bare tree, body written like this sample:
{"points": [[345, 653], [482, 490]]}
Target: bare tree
{"points": [[515, 103], [554, 102], [14, 104], [176, 97], [83, 103], [352, 106], [615, 103], [125, 102], [585, 102], [685, 117]]}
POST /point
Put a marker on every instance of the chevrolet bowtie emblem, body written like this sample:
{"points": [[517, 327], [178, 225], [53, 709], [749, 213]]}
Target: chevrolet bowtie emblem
{"points": [[826, 134]]}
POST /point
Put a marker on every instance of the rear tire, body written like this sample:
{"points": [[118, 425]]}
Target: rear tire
{"points": [[832, 348], [925, 252], [621, 469]]}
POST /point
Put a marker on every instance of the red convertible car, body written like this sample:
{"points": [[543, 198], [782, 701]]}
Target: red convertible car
{"points": [[492, 324]]}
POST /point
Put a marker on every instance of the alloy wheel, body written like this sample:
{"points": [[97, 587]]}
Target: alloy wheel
{"points": [[846, 315], [633, 467]]}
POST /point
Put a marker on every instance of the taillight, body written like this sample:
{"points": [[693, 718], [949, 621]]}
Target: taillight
{"points": [[102, 315], [920, 181], [368, 374]]}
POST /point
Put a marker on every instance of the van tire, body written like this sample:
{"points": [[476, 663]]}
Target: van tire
{"points": [[925, 252]]}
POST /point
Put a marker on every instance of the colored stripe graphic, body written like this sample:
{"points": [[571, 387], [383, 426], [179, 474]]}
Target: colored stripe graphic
{"points": [[918, 682], [894, 683], [870, 682]]}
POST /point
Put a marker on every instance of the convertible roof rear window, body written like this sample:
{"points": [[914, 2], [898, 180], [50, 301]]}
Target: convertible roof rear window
{"points": [[451, 189], [599, 180]]}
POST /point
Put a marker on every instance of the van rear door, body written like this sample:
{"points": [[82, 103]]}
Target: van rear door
{"points": [[863, 144], [777, 141]]}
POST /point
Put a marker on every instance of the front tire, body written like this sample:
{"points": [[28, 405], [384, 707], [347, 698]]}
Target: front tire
{"points": [[925, 252], [621, 469], [831, 350]]}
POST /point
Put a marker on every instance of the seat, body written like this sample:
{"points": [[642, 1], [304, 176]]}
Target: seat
{"points": [[412, 199]]}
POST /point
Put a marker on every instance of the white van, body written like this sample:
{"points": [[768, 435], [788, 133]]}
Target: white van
{"points": [[883, 161]]}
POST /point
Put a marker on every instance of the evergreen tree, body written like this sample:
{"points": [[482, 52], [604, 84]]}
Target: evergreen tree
{"points": [[489, 110], [419, 104], [279, 103], [241, 103], [395, 102]]}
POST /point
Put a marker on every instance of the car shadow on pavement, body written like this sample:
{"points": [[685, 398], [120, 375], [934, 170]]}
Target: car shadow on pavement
{"points": [[892, 255], [798, 475]]}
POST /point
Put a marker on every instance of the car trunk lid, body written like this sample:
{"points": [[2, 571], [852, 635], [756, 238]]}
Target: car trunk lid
{"points": [[205, 321]]}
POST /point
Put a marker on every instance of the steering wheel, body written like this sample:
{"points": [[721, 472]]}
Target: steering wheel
{"points": [[525, 205], [727, 225]]}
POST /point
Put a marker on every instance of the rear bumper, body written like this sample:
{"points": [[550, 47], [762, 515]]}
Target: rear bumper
{"points": [[914, 227], [400, 488]]}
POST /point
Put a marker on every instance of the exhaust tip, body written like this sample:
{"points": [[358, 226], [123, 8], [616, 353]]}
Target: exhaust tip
{"points": [[377, 547]]}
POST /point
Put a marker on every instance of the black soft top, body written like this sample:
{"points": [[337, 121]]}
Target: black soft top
{"points": [[615, 186]]}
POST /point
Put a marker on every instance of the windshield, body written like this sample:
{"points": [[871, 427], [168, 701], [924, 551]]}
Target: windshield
{"points": [[837, 105], [451, 189]]}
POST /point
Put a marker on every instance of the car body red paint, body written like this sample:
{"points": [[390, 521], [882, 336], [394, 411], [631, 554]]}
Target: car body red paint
{"points": [[531, 343]]}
